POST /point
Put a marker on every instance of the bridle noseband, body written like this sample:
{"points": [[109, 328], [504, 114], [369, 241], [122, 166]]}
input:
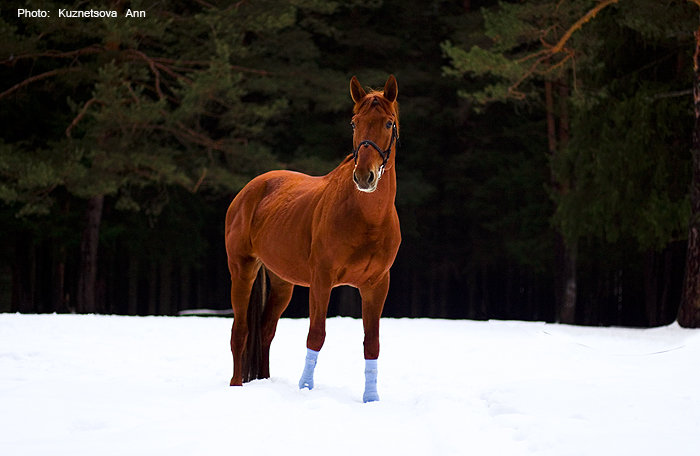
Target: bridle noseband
{"points": [[384, 153]]}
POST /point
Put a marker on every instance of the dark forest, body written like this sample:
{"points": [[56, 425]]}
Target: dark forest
{"points": [[549, 165]]}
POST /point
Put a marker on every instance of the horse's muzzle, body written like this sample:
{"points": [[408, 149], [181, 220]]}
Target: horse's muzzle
{"points": [[366, 182]]}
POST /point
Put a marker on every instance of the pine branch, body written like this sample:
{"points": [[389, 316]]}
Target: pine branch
{"points": [[676, 94], [579, 23], [152, 65], [550, 51], [205, 63], [36, 78], [206, 4], [80, 115], [92, 49], [200, 180]]}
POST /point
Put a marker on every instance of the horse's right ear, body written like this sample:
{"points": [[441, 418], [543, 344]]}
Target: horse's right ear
{"points": [[356, 91]]}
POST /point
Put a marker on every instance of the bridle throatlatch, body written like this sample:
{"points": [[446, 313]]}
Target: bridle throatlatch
{"points": [[384, 153]]}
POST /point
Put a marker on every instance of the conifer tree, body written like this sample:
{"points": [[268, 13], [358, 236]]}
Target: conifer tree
{"points": [[509, 69], [130, 108], [616, 171]]}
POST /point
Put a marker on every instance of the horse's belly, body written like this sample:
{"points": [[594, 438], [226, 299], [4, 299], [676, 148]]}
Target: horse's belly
{"points": [[293, 271], [285, 252]]}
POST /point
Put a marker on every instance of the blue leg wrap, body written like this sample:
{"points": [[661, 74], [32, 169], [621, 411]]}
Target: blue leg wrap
{"points": [[307, 377], [370, 381]]}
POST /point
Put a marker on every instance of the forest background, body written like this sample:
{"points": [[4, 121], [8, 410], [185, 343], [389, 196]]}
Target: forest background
{"points": [[556, 192]]}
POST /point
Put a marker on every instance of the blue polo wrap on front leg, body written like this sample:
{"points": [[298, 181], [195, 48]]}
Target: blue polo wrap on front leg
{"points": [[370, 381], [307, 377]]}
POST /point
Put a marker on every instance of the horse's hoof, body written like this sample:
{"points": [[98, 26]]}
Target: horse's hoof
{"points": [[370, 396], [306, 383]]}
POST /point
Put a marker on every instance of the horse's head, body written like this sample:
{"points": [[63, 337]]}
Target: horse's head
{"points": [[375, 131]]}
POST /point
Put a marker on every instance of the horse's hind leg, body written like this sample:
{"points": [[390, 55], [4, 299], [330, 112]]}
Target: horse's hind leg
{"points": [[277, 301], [243, 273]]}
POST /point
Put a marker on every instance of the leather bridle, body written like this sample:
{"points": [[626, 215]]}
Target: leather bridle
{"points": [[384, 153]]}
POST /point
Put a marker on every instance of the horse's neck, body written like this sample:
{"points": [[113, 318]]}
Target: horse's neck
{"points": [[374, 207]]}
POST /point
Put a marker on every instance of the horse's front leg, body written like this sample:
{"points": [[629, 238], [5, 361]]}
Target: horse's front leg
{"points": [[319, 294], [373, 297]]}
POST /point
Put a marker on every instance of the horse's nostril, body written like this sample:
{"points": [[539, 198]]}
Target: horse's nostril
{"points": [[371, 177]]}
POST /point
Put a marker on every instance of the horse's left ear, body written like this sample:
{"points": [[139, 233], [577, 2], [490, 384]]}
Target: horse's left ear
{"points": [[391, 89]]}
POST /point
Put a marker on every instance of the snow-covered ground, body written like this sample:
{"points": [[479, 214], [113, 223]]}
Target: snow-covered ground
{"points": [[105, 385]]}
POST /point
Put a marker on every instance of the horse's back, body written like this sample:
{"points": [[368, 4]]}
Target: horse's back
{"points": [[271, 191]]}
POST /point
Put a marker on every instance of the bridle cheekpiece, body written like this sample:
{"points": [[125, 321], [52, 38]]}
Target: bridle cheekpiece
{"points": [[384, 153]]}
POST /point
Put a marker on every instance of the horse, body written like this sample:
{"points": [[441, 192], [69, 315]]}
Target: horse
{"points": [[286, 228]]}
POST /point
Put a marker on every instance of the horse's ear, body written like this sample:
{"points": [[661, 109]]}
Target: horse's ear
{"points": [[356, 91], [391, 89]]}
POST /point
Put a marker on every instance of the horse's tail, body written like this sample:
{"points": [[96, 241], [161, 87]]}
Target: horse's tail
{"points": [[252, 356]]}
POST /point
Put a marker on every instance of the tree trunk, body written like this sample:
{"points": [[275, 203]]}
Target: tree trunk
{"points": [[185, 288], [666, 286], [23, 276], [58, 295], [565, 282], [153, 289], [416, 298], [565, 254], [133, 278], [87, 279], [651, 288], [167, 306], [563, 114], [485, 305], [551, 122], [689, 311]]}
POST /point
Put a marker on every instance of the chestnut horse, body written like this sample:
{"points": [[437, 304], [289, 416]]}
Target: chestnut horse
{"points": [[286, 228]]}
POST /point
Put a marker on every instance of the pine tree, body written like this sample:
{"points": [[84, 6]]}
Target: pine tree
{"points": [[510, 68], [132, 108], [622, 172]]}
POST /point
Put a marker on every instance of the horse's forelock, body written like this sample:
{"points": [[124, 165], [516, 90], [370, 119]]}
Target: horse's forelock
{"points": [[375, 100]]}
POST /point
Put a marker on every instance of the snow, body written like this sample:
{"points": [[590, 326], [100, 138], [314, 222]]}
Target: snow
{"points": [[107, 385]]}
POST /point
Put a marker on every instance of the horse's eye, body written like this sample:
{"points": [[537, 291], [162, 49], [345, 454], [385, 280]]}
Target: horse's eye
{"points": [[352, 124], [389, 124]]}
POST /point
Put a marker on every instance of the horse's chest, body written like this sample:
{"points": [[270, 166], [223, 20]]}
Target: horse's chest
{"points": [[368, 253]]}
